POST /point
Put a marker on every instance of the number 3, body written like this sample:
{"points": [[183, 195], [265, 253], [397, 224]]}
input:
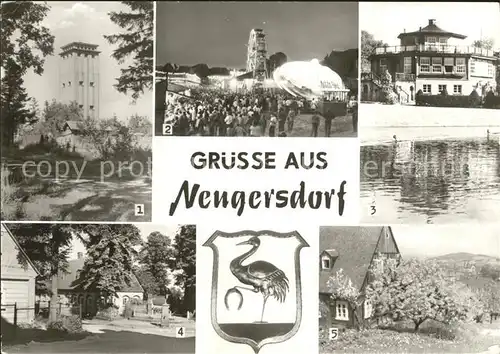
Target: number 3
{"points": [[374, 209]]}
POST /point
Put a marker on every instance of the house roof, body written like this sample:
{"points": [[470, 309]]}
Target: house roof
{"points": [[66, 281], [355, 247], [432, 28], [20, 248], [74, 124], [332, 253]]}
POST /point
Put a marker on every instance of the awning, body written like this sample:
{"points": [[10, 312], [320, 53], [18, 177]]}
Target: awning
{"points": [[176, 87], [248, 75]]}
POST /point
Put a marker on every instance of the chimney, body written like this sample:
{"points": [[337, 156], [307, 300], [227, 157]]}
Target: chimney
{"points": [[420, 29], [79, 255], [432, 22]]}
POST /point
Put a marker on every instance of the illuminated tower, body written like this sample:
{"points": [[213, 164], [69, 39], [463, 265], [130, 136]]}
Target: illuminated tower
{"points": [[79, 77], [257, 54]]}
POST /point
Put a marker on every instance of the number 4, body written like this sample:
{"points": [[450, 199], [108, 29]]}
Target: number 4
{"points": [[180, 332]]}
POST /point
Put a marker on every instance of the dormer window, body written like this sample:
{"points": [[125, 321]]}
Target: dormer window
{"points": [[69, 83], [91, 106], [325, 262], [80, 105], [81, 83], [63, 85], [91, 83]]}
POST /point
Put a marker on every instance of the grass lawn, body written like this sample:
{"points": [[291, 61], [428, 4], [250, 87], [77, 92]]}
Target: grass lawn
{"points": [[109, 342], [95, 194], [469, 339], [341, 126]]}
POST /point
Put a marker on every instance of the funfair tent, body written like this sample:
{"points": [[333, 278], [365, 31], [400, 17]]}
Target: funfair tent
{"points": [[310, 80]]}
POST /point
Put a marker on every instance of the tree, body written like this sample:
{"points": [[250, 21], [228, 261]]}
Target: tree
{"points": [[202, 70], [56, 114], [415, 290], [48, 247], [368, 45], [342, 288], [140, 124], [276, 60], [156, 256], [490, 297], [387, 88], [491, 271], [111, 254], [24, 39], [185, 260], [486, 43], [146, 279], [13, 103], [137, 41]]}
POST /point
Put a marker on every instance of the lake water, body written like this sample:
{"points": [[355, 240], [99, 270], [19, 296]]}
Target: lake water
{"points": [[431, 181]]}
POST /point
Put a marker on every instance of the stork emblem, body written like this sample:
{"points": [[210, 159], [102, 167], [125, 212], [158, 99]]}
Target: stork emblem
{"points": [[256, 288]]}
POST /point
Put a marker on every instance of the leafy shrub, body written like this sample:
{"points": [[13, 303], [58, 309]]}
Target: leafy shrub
{"points": [[49, 147], [474, 99], [491, 101], [67, 324], [444, 92], [109, 312], [391, 98]]}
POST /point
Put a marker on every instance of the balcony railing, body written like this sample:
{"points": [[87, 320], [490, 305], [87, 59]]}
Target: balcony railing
{"points": [[444, 73], [405, 77], [448, 49]]}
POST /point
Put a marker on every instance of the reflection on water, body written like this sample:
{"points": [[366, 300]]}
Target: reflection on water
{"points": [[431, 181]]}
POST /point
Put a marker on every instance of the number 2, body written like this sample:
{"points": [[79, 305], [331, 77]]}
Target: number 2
{"points": [[167, 129]]}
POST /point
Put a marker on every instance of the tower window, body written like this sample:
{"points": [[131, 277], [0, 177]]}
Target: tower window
{"points": [[80, 105], [81, 83], [69, 83], [91, 83], [63, 85], [91, 106]]}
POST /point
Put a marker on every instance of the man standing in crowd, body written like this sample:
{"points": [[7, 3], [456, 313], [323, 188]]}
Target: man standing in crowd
{"points": [[315, 124], [355, 117], [329, 116]]}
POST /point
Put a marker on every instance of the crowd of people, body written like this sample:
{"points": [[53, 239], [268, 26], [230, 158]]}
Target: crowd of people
{"points": [[212, 112]]}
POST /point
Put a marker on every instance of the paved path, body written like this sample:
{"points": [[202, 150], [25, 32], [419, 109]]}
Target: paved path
{"points": [[143, 327]]}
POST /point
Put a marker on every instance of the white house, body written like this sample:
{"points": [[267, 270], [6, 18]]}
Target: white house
{"points": [[17, 280]]}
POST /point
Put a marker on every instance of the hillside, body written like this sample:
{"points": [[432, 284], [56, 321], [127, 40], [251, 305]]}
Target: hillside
{"points": [[467, 257]]}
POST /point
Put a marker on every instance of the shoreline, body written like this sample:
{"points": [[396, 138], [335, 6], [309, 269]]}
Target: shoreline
{"points": [[384, 135]]}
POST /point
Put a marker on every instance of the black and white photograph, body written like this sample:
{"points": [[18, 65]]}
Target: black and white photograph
{"points": [[409, 289], [252, 298], [76, 106], [272, 69], [98, 288], [430, 108]]}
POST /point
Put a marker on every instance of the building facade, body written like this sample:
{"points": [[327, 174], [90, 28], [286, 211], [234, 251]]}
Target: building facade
{"points": [[17, 281], [431, 60], [353, 250], [71, 295], [79, 78]]}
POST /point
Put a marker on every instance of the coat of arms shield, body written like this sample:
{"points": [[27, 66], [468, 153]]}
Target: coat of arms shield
{"points": [[256, 294]]}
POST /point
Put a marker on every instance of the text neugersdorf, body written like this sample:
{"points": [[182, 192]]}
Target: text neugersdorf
{"points": [[192, 194]]}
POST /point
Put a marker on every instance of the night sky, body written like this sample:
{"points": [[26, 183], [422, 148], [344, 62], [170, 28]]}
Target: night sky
{"points": [[216, 33]]}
